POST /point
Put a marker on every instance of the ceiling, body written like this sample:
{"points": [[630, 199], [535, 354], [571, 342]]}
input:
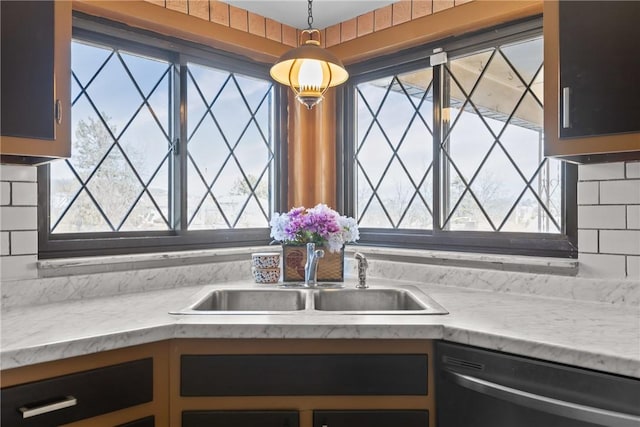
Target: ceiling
{"points": [[325, 12]]}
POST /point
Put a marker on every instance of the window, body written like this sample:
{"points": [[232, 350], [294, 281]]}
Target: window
{"points": [[450, 156], [173, 147]]}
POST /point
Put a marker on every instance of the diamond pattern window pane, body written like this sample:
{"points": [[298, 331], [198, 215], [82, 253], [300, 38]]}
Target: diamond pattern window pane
{"points": [[496, 177], [117, 179], [230, 150], [394, 151], [493, 174]]}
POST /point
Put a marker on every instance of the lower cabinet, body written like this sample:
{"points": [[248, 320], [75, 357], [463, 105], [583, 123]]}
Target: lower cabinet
{"points": [[78, 396], [305, 383], [325, 418], [240, 419], [371, 418], [229, 383], [119, 388]]}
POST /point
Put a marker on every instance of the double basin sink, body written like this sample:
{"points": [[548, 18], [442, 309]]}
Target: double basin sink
{"points": [[397, 300]]}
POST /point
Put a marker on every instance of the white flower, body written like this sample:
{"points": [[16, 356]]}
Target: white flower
{"points": [[278, 224]]}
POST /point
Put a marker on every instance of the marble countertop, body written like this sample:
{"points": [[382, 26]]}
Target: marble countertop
{"points": [[592, 335]]}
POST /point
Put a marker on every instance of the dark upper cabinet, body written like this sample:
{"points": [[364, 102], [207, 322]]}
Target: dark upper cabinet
{"points": [[28, 98], [599, 67], [35, 80], [592, 80]]}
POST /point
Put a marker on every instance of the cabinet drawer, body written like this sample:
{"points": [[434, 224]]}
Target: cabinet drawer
{"points": [[387, 418], [240, 419], [303, 375], [85, 394]]}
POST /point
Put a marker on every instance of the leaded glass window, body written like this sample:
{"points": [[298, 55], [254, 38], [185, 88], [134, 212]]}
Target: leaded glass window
{"points": [[458, 147], [178, 145]]}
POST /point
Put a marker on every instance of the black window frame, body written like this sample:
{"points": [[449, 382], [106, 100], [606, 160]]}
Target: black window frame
{"points": [[563, 244], [100, 30]]}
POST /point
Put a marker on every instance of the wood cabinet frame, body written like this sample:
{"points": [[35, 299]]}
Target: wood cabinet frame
{"points": [[304, 404]]}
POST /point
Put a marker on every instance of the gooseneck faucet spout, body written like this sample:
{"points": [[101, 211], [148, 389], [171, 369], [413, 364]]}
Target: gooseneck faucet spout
{"points": [[311, 266]]}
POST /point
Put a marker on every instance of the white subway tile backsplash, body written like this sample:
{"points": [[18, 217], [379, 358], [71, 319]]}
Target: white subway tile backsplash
{"points": [[18, 267], [588, 241], [24, 194], [19, 218], [601, 171], [633, 217], [625, 242], [5, 193], [633, 267], [620, 192], [24, 242], [4, 243], [18, 222], [588, 193], [18, 173], [633, 170], [605, 266], [602, 217]]}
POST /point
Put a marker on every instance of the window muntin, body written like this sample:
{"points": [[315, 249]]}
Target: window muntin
{"points": [[486, 175], [130, 93]]}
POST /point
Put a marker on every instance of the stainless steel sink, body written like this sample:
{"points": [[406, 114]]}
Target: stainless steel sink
{"points": [[367, 300], [251, 300], [391, 300]]}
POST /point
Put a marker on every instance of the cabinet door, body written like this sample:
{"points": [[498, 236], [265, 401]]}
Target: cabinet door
{"points": [[240, 419], [27, 69], [599, 67], [371, 418], [35, 80]]}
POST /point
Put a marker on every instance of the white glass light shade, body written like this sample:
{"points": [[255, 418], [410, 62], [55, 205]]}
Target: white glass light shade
{"points": [[309, 70], [310, 75]]}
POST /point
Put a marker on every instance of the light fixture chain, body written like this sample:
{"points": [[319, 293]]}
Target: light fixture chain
{"points": [[310, 18]]}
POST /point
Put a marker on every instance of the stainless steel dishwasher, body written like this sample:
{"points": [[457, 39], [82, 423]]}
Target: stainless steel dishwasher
{"points": [[482, 388]]}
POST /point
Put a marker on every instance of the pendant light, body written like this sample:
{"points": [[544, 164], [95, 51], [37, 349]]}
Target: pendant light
{"points": [[308, 69]]}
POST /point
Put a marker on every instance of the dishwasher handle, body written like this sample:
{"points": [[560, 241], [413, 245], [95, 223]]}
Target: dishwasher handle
{"points": [[546, 404]]}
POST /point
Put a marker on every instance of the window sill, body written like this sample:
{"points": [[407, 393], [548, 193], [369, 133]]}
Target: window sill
{"points": [[523, 264], [103, 264], [112, 263]]}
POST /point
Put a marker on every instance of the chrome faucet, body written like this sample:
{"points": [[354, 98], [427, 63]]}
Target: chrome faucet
{"points": [[311, 266], [362, 270]]}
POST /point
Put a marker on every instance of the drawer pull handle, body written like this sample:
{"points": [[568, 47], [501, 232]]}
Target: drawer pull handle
{"points": [[67, 402]]}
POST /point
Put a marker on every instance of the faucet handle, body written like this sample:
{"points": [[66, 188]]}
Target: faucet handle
{"points": [[362, 270]]}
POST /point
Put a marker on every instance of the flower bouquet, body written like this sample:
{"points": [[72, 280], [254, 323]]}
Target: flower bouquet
{"points": [[320, 225]]}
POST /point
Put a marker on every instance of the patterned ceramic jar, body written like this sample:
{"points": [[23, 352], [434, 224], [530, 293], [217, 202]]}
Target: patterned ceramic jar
{"points": [[266, 260], [266, 275]]}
